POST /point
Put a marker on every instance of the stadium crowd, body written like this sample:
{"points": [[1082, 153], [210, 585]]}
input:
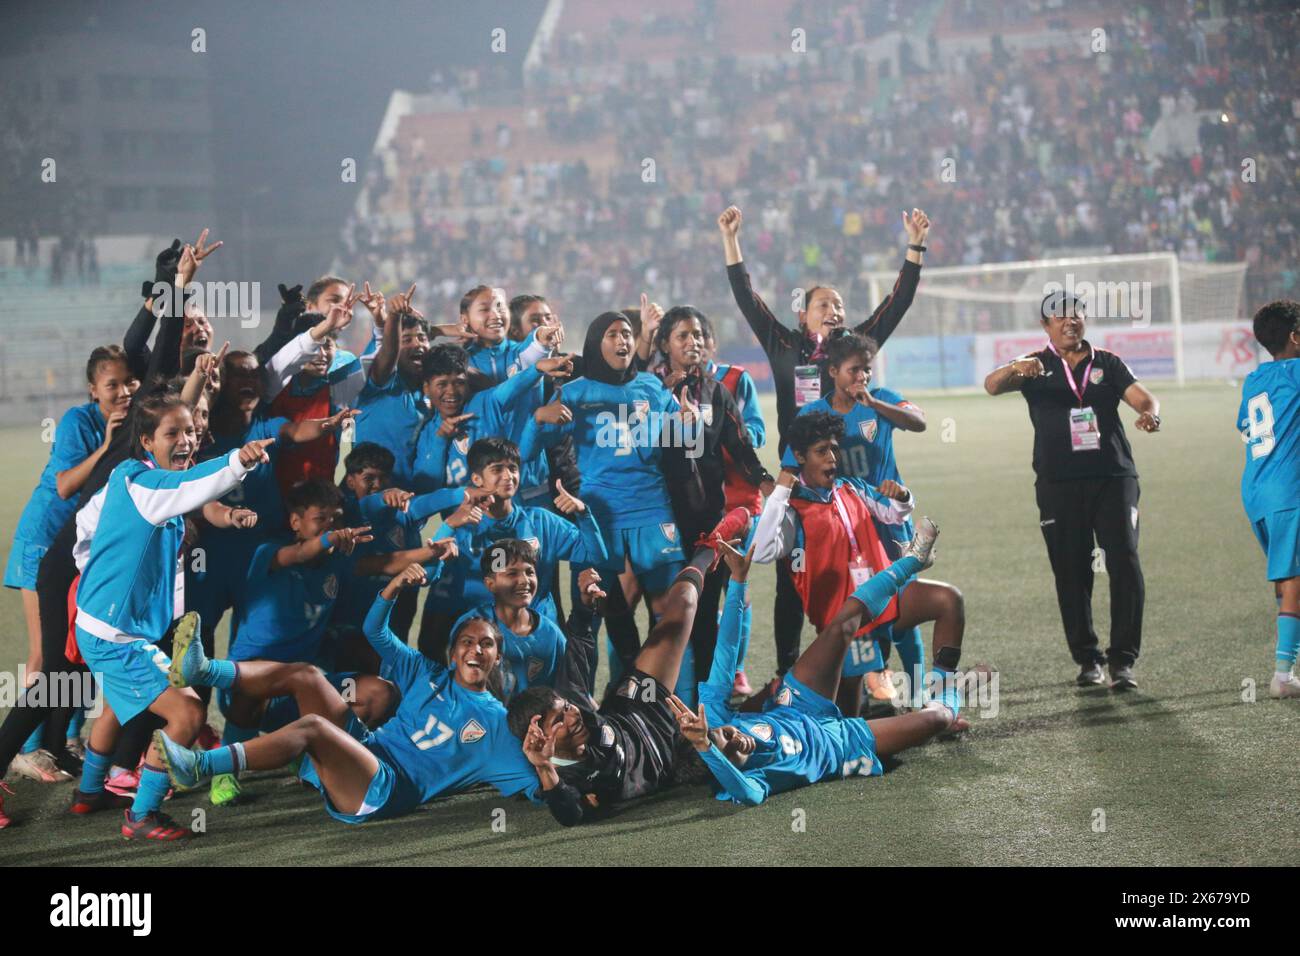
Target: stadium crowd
{"points": [[1051, 150]]}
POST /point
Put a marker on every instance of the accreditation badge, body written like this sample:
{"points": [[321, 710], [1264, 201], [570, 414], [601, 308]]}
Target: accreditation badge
{"points": [[1085, 432]]}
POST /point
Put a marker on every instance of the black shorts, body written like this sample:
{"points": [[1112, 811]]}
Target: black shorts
{"points": [[638, 704]]}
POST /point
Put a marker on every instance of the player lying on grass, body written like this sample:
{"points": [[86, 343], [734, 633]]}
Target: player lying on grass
{"points": [[533, 644], [823, 523], [292, 583], [1269, 421], [125, 600], [800, 736], [448, 734], [495, 513], [588, 758]]}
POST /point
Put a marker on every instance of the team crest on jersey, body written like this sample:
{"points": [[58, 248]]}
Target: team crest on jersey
{"points": [[670, 530], [706, 413], [762, 731], [783, 696], [462, 445], [512, 371], [868, 429], [537, 545], [472, 732], [629, 688], [606, 735], [1096, 375], [535, 665], [640, 409], [331, 587]]}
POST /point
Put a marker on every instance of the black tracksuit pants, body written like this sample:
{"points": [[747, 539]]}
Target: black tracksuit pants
{"points": [[1073, 515]]}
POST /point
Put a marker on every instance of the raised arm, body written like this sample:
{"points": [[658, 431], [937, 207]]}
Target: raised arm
{"points": [[292, 305], [578, 545], [885, 319], [694, 725], [433, 553], [906, 415], [776, 532], [392, 651], [771, 333]]}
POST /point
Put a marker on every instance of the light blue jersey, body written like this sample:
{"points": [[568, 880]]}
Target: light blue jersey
{"points": [[128, 585], [526, 660], [800, 737], [80, 433], [1269, 422], [617, 434], [285, 612], [441, 462], [392, 414], [556, 539], [507, 358], [443, 737]]}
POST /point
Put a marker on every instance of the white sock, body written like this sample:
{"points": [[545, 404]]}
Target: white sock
{"points": [[1283, 676]]}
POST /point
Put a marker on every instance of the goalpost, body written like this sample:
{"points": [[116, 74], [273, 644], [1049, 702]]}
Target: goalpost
{"points": [[1167, 319]]}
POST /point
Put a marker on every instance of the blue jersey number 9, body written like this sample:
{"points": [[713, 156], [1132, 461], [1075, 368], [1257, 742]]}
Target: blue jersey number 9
{"points": [[1259, 425]]}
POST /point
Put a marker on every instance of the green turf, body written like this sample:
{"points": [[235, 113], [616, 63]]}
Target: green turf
{"points": [[1184, 770]]}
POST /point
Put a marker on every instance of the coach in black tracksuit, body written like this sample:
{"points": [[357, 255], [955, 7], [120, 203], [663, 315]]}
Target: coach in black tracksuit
{"points": [[798, 361], [1087, 485]]}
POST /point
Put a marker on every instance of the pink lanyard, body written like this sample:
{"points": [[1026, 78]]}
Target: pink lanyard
{"points": [[1069, 373], [848, 526]]}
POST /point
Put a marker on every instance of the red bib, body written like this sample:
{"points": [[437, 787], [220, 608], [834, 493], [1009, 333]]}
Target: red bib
{"points": [[825, 580], [740, 493], [313, 459]]}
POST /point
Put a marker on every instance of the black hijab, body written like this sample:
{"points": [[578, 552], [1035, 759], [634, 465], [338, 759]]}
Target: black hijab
{"points": [[594, 365]]}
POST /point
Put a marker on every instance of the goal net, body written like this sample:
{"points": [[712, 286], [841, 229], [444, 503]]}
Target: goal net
{"points": [[1167, 319]]}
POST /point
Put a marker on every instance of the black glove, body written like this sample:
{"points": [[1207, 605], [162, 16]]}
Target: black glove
{"points": [[164, 268], [292, 306], [306, 322]]}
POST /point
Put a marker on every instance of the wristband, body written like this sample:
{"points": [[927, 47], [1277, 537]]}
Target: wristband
{"points": [[915, 248], [325, 541]]}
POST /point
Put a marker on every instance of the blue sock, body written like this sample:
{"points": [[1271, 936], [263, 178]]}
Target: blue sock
{"points": [[151, 792], [34, 741], [222, 760], [746, 626], [877, 591], [911, 650], [76, 723], [94, 770], [1288, 640], [219, 673], [685, 688], [943, 688]]}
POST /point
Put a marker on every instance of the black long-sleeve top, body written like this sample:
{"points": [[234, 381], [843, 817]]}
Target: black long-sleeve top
{"points": [[787, 347]]}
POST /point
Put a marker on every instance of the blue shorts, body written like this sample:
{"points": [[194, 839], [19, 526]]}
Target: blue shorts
{"points": [[1279, 536], [390, 794], [865, 654], [853, 739], [131, 675], [652, 550], [24, 562]]}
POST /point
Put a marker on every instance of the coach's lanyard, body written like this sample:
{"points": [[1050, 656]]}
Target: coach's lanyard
{"points": [[1069, 373], [848, 525]]}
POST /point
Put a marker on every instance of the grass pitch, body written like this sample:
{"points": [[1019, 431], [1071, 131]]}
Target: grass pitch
{"points": [[1183, 771]]}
